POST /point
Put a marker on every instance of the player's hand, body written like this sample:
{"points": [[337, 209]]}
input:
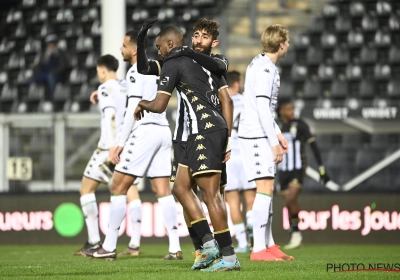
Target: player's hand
{"points": [[147, 24], [139, 113], [283, 142], [177, 52], [227, 156], [94, 97], [323, 176], [223, 58], [115, 158], [278, 153]]}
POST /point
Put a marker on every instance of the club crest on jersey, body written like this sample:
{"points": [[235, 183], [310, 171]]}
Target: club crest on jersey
{"points": [[266, 70], [164, 81], [199, 137], [200, 147], [203, 167], [201, 157], [104, 93], [132, 79]]}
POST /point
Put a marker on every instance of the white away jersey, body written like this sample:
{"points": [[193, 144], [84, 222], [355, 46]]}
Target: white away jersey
{"points": [[262, 80], [140, 87], [111, 94], [237, 110]]}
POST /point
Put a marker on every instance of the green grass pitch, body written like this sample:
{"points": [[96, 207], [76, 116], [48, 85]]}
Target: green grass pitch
{"points": [[57, 262]]}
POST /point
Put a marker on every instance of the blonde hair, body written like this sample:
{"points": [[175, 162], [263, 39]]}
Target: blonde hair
{"points": [[273, 36]]}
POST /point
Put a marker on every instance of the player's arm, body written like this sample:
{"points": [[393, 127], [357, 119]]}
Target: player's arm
{"points": [[282, 140], [310, 139], [107, 107], [169, 76], [217, 64], [226, 104], [263, 99]]}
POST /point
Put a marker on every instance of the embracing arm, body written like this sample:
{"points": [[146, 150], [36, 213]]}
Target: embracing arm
{"points": [[227, 107]]}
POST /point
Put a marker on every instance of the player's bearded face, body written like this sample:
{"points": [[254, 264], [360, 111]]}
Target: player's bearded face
{"points": [[202, 42], [125, 49]]}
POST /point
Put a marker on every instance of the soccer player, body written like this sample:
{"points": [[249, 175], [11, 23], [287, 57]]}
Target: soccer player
{"points": [[261, 142], [294, 163], [206, 148], [143, 147], [205, 38], [235, 172], [112, 98]]}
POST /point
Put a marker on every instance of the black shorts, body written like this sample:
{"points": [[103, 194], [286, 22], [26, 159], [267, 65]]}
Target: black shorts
{"points": [[204, 152], [179, 150], [290, 177]]}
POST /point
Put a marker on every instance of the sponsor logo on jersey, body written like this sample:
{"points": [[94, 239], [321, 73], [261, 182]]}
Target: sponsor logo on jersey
{"points": [[164, 81], [204, 116], [208, 125], [194, 99], [104, 93], [199, 137], [203, 167], [132, 79], [266, 70], [202, 157], [199, 107], [200, 147]]}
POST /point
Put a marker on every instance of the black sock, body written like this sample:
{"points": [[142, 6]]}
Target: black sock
{"points": [[294, 222], [224, 241], [197, 243], [202, 230]]}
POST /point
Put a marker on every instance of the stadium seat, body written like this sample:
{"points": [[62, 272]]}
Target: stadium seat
{"points": [[298, 72], [203, 3], [353, 72], [3, 77], [367, 89], [84, 44], [312, 89], [286, 90], [32, 46], [343, 24], [23, 76], [83, 98], [90, 15], [91, 60], [8, 98], [394, 22], [62, 94], [383, 39], [36, 94], [155, 3], [357, 9], [176, 3], [394, 55], [65, 15], [368, 55], [302, 41], [73, 30], [132, 3], [139, 15], [27, 4], [77, 76], [383, 8], [339, 89], [55, 3], [330, 10], [317, 25], [190, 14], [14, 16], [95, 30], [382, 72], [393, 89], [6, 45], [39, 16], [16, 61], [369, 23], [290, 58], [355, 39], [341, 56], [166, 14], [20, 32], [315, 56], [328, 40], [326, 72]]}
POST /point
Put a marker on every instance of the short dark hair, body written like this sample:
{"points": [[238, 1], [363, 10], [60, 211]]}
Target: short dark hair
{"points": [[232, 77], [281, 102], [209, 25], [173, 30], [108, 61], [132, 34]]}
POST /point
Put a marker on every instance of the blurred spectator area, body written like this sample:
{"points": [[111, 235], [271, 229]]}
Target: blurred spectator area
{"points": [[24, 24]]}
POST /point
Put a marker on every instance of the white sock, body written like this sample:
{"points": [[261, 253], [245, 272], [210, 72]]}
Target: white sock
{"points": [[249, 218], [91, 214], [117, 215], [269, 239], [260, 220], [168, 206], [135, 212], [240, 234]]}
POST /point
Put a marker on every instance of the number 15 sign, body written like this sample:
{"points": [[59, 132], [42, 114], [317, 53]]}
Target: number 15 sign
{"points": [[19, 168]]}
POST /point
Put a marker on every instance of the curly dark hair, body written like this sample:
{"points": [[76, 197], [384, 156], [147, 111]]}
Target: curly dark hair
{"points": [[209, 25]]}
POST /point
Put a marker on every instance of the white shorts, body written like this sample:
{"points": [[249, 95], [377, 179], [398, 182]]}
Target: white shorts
{"points": [[236, 175], [99, 167], [258, 158], [147, 151]]}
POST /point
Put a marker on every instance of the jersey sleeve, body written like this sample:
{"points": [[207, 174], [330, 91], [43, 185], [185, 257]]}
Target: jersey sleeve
{"points": [[264, 80], [306, 133], [170, 74], [222, 83], [135, 94]]}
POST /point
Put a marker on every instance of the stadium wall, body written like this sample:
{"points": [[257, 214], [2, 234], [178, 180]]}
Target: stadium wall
{"points": [[56, 218]]}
